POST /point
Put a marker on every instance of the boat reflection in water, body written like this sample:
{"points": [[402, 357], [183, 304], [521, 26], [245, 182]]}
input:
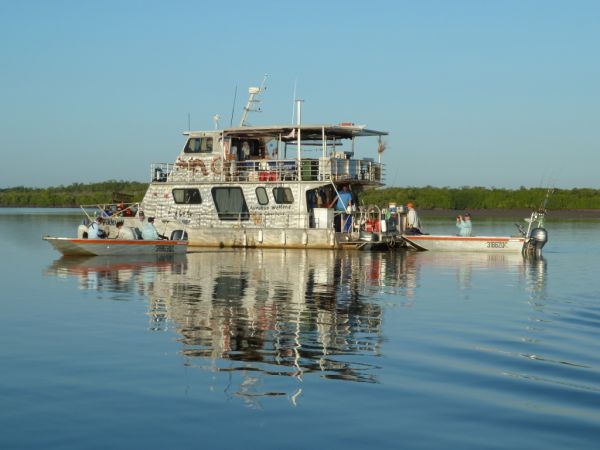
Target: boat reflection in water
{"points": [[530, 270], [273, 313], [258, 314], [119, 274]]}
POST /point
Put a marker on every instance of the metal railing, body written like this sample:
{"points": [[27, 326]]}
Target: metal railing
{"points": [[110, 211], [319, 169]]}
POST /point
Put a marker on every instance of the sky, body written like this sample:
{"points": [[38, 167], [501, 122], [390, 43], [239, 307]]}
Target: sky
{"points": [[473, 93]]}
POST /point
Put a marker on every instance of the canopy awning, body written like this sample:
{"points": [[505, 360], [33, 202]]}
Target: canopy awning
{"points": [[308, 132]]}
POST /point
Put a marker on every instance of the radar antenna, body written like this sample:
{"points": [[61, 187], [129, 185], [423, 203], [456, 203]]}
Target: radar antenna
{"points": [[252, 99]]}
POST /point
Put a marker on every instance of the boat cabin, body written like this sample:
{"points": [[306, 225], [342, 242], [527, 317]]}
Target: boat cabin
{"points": [[284, 178], [276, 154]]}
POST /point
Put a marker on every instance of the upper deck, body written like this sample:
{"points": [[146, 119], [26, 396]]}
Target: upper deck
{"points": [[278, 153]]}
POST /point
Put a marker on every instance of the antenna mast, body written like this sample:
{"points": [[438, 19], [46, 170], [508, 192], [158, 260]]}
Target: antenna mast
{"points": [[254, 92], [233, 107], [294, 101]]}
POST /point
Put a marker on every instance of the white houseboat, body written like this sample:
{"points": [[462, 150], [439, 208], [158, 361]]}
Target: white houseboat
{"points": [[273, 186]]}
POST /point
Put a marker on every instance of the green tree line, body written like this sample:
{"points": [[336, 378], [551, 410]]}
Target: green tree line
{"points": [[427, 197], [70, 196], [430, 197]]}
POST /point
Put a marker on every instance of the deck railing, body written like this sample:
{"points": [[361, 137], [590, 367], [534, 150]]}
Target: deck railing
{"points": [[364, 171]]}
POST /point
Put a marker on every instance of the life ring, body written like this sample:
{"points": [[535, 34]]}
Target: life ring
{"points": [[199, 164], [217, 169]]}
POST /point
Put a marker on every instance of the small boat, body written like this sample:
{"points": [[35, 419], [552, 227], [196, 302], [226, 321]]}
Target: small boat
{"points": [[529, 241], [115, 247], [114, 215]]}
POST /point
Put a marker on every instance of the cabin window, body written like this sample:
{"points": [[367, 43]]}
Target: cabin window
{"points": [[283, 195], [199, 145], [187, 196], [230, 203], [261, 196]]}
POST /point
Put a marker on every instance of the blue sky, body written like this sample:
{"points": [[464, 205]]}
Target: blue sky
{"points": [[473, 93]]}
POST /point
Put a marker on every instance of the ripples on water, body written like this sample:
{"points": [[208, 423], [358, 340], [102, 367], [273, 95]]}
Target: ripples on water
{"points": [[424, 349]]}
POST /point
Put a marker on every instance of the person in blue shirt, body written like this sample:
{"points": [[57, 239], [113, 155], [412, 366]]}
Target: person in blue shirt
{"points": [[342, 200], [343, 204], [463, 223], [149, 231]]}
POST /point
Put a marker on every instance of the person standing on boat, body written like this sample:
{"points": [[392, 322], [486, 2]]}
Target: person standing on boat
{"points": [[343, 204], [464, 225], [319, 198], [342, 200], [149, 232], [95, 230], [413, 224]]}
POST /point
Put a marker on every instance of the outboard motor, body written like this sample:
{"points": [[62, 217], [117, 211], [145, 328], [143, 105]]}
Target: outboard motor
{"points": [[537, 239]]}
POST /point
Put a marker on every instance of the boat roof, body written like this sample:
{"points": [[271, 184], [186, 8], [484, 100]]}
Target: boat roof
{"points": [[308, 132]]}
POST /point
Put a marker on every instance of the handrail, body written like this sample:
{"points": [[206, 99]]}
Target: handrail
{"points": [[362, 171], [111, 210]]}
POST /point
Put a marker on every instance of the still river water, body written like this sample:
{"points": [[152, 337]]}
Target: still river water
{"points": [[283, 349]]}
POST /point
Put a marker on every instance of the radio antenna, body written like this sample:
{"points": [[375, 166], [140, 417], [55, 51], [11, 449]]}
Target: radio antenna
{"points": [[233, 106], [294, 101]]}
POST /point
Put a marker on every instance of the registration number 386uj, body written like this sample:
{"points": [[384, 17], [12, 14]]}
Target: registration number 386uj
{"points": [[496, 244]]}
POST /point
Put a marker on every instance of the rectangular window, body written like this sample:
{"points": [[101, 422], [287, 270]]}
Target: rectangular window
{"points": [[230, 203], [187, 196], [199, 145], [283, 195]]}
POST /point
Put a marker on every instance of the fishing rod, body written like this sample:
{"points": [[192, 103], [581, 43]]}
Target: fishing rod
{"points": [[549, 192]]}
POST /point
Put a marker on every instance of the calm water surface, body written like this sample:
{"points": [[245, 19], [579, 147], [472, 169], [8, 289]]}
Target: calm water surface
{"points": [[293, 349]]}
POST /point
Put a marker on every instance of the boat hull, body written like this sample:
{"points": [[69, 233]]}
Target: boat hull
{"points": [[115, 247], [299, 238], [495, 244]]}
